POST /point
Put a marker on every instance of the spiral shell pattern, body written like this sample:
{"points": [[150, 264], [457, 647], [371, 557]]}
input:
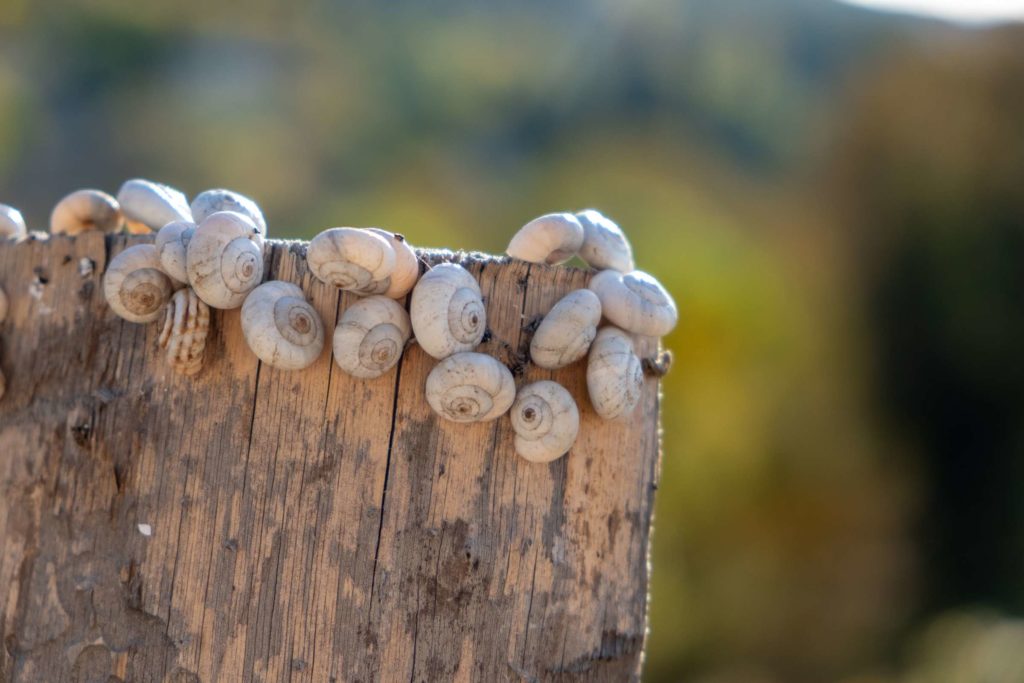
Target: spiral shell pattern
{"points": [[565, 334], [407, 265], [214, 201], [223, 262], [545, 420], [636, 302], [351, 259], [371, 336], [281, 327], [447, 311], [134, 285], [183, 336], [470, 387], [615, 377], [171, 246]]}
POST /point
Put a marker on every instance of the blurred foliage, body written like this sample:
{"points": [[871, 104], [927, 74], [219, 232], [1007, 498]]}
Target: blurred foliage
{"points": [[833, 196]]}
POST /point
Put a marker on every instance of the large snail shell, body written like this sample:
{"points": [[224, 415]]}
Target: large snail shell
{"points": [[86, 210], [470, 387], [12, 225], [636, 302], [605, 246], [565, 334], [351, 259], [134, 285], [149, 206], [545, 420], [183, 336], [615, 377], [281, 327], [172, 247], [407, 265], [552, 238], [223, 262], [213, 201], [371, 336], [447, 311]]}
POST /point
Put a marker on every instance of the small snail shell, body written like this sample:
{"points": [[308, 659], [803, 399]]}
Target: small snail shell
{"points": [[470, 387], [615, 377], [134, 285], [172, 246], [605, 247], [371, 336], [545, 420], [407, 265], [213, 201], [552, 238], [351, 259], [447, 311], [149, 206], [281, 327], [183, 336], [636, 302], [223, 262], [567, 330], [86, 210], [12, 225]]}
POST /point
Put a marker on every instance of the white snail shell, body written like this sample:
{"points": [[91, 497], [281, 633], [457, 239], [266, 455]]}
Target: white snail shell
{"points": [[86, 210], [636, 302], [149, 206], [470, 387], [12, 224], [135, 286], [172, 247], [447, 311], [407, 265], [605, 246], [552, 238], [351, 259], [183, 336], [371, 336], [213, 201], [565, 334], [223, 261], [281, 327], [615, 377], [545, 420]]}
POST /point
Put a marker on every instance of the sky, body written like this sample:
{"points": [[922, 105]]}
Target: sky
{"points": [[953, 10]]}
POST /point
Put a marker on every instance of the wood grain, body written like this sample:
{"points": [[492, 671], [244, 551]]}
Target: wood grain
{"points": [[251, 524]]}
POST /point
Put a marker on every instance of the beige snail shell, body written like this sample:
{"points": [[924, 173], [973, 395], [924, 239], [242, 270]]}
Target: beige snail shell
{"points": [[407, 265], [447, 311], [213, 201], [351, 259], [135, 286], [86, 210], [545, 420], [172, 247], [371, 336], [615, 376], [223, 261], [565, 334], [281, 327], [184, 332], [12, 224], [636, 302], [470, 387], [149, 206], [605, 246], [553, 238]]}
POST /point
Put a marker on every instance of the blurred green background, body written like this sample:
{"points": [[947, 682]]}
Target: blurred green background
{"points": [[834, 196]]}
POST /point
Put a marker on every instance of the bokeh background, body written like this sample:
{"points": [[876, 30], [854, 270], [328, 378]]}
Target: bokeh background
{"points": [[834, 196]]}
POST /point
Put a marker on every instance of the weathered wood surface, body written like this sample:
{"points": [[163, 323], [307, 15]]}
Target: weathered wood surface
{"points": [[254, 524]]}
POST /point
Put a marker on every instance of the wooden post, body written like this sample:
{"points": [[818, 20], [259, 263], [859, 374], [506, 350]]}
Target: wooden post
{"points": [[251, 524]]}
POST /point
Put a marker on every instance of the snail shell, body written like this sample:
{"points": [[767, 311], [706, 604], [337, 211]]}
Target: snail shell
{"points": [[281, 327], [12, 225], [213, 201], [223, 262], [371, 336], [149, 206], [636, 302], [605, 246], [134, 285], [615, 377], [86, 210], [172, 247], [351, 259], [447, 311], [545, 420], [470, 387], [183, 336], [552, 238], [565, 334], [407, 265]]}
